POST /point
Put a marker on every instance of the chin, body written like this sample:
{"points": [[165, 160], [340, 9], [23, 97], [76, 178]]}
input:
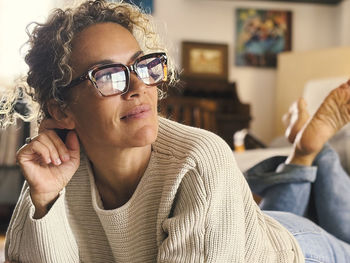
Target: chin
{"points": [[145, 136]]}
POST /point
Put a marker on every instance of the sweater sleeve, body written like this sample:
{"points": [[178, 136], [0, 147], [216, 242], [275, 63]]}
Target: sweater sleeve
{"points": [[207, 221], [27, 238]]}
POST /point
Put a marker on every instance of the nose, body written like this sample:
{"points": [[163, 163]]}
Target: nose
{"points": [[136, 87]]}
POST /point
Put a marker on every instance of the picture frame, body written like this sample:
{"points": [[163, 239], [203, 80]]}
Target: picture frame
{"points": [[261, 35], [205, 60], [145, 5]]}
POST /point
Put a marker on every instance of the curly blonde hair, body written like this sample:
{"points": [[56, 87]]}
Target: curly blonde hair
{"points": [[50, 47]]}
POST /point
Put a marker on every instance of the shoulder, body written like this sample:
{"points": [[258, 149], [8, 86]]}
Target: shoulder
{"points": [[182, 141]]}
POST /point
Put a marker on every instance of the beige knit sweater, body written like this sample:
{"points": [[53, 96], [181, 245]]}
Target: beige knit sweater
{"points": [[191, 205]]}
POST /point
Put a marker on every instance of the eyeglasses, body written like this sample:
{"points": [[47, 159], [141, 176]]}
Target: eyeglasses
{"points": [[114, 79]]}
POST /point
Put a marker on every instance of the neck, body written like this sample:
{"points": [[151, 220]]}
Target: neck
{"points": [[117, 172]]}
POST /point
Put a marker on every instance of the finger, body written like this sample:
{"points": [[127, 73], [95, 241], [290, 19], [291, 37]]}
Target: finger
{"points": [[52, 146], [46, 141], [49, 124], [30, 151], [59, 144]]}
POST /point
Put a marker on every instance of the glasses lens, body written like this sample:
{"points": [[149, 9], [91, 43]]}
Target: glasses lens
{"points": [[151, 70], [111, 79]]}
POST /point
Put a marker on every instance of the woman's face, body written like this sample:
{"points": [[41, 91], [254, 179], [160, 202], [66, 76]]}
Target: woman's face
{"points": [[128, 120]]}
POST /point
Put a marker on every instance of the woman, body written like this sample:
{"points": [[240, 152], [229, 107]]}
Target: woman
{"points": [[126, 185]]}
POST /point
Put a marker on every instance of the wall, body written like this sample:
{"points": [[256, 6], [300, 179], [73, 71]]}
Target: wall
{"points": [[304, 66], [213, 21], [13, 21], [344, 11]]}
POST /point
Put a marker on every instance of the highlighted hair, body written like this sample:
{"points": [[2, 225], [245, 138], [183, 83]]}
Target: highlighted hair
{"points": [[50, 47]]}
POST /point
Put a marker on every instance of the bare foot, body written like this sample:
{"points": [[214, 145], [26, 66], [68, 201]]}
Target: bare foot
{"points": [[295, 119], [330, 117]]}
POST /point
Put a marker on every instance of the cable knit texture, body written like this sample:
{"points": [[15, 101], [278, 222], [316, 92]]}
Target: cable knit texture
{"points": [[191, 205]]}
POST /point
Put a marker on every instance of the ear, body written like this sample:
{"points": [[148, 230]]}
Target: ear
{"points": [[63, 117]]}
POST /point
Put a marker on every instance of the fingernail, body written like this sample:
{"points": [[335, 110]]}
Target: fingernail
{"points": [[65, 157], [58, 161], [48, 160]]}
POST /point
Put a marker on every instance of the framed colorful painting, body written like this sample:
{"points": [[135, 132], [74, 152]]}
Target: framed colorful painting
{"points": [[146, 5], [204, 60], [261, 35]]}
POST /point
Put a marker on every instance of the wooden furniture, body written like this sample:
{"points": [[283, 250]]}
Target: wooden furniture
{"points": [[197, 112], [211, 105]]}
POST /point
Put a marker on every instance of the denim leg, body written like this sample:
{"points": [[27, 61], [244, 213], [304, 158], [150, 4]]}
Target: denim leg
{"points": [[332, 194], [317, 245], [299, 193], [282, 187]]}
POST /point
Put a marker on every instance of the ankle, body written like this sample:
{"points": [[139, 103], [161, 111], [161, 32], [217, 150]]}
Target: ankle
{"points": [[298, 158]]}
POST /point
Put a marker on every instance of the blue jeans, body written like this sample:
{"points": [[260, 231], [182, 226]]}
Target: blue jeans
{"points": [[320, 193]]}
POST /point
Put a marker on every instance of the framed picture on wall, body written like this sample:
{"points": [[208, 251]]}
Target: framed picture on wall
{"points": [[205, 60], [146, 5], [261, 35]]}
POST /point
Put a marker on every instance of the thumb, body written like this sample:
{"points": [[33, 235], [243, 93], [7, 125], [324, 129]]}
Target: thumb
{"points": [[72, 141]]}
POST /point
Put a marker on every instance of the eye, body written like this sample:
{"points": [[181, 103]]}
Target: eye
{"points": [[153, 63], [149, 63], [110, 73], [105, 76]]}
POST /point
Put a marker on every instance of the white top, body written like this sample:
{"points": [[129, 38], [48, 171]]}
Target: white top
{"points": [[191, 205]]}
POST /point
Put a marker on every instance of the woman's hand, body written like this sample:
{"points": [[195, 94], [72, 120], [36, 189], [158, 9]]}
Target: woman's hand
{"points": [[48, 164]]}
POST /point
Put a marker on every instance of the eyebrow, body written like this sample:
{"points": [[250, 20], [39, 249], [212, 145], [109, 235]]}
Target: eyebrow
{"points": [[108, 61], [135, 56]]}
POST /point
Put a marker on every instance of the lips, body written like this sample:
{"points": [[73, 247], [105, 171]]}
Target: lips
{"points": [[137, 112]]}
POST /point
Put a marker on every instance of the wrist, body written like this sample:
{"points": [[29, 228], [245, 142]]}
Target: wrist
{"points": [[40, 212], [42, 203]]}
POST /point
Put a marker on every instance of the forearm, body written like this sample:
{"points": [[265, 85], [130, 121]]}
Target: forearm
{"points": [[49, 239]]}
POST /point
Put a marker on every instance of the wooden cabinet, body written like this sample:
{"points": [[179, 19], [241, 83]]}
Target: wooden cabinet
{"points": [[211, 105]]}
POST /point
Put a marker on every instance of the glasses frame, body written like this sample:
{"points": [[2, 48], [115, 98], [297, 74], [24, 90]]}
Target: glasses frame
{"points": [[89, 75]]}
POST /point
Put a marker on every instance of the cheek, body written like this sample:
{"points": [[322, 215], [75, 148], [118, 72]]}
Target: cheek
{"points": [[154, 95], [93, 113]]}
